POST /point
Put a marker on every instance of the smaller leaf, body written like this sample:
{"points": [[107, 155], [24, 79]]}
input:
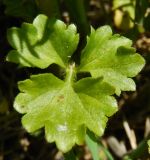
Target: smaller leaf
{"points": [[124, 13], [112, 57], [42, 43]]}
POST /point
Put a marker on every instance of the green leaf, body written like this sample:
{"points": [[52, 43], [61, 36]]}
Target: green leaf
{"points": [[112, 57], [127, 6], [92, 144], [21, 8], [65, 108], [42, 43], [78, 15], [124, 13]]}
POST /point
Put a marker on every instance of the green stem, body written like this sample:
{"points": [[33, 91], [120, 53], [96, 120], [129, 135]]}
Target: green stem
{"points": [[70, 74], [140, 152], [107, 153], [93, 146], [78, 15], [140, 9]]}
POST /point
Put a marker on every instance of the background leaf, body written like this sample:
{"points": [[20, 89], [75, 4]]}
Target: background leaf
{"points": [[21, 8], [124, 13]]}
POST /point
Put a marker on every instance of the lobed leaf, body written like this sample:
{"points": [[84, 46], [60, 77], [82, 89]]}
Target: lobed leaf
{"points": [[112, 57], [42, 43], [64, 108]]}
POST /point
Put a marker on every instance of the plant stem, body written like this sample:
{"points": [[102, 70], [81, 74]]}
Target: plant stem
{"points": [[77, 12], [106, 151], [140, 152], [93, 146], [78, 15], [70, 74]]}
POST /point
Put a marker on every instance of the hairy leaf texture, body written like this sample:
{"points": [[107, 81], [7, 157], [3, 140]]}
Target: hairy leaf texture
{"points": [[42, 43], [64, 108], [112, 57]]}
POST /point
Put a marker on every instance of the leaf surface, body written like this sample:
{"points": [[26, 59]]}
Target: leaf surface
{"points": [[42, 43], [112, 57], [64, 108]]}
